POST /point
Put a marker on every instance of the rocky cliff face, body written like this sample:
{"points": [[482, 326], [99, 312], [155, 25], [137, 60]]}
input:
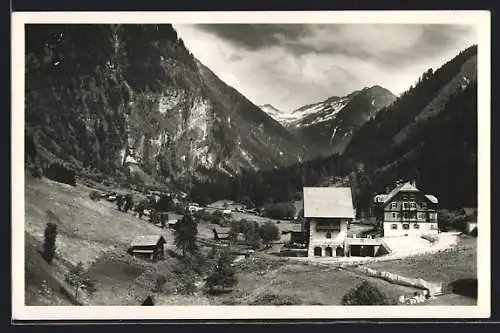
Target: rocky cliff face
{"points": [[104, 96]]}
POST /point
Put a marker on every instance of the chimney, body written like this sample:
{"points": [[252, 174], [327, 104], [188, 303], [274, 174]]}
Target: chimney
{"points": [[414, 183]]}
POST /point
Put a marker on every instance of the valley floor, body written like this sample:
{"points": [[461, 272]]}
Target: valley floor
{"points": [[96, 234]]}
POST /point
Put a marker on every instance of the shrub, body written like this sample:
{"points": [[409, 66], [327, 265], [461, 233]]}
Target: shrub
{"points": [[223, 274], [160, 281], [268, 232], [444, 219], [185, 235], [59, 173], [95, 195], [129, 202], [49, 244], [249, 229], [279, 210], [36, 172], [365, 294], [78, 278], [186, 278]]}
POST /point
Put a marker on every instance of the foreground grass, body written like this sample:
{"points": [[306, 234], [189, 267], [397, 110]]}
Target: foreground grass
{"points": [[445, 267], [262, 281]]}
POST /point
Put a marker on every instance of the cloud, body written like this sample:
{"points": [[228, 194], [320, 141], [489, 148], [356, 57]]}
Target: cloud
{"points": [[289, 65]]}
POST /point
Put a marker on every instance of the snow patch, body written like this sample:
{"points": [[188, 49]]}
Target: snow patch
{"points": [[333, 134], [327, 111]]}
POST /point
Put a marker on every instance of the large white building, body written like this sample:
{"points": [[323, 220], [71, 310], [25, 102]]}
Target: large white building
{"points": [[327, 210], [407, 211]]}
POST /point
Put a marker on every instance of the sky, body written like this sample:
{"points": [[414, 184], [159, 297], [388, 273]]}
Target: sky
{"points": [[291, 65]]}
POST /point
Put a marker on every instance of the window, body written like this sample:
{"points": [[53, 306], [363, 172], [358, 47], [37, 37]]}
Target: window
{"points": [[406, 226], [394, 205], [405, 205], [416, 226], [413, 205], [406, 216], [328, 234], [394, 226], [393, 215], [433, 216]]}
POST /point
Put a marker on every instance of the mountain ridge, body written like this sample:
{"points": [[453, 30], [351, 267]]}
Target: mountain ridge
{"points": [[330, 123]]}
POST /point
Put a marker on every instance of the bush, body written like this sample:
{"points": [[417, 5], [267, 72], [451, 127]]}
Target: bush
{"points": [[160, 281], [59, 173], [268, 232], [365, 294], [223, 274], [129, 202], [78, 278], [186, 278], [185, 235], [36, 172], [249, 229], [282, 210], [95, 195], [49, 244]]}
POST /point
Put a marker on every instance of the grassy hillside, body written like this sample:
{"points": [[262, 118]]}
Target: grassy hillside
{"points": [[91, 232]]}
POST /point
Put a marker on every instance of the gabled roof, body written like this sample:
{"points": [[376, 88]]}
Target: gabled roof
{"points": [[149, 240], [328, 202], [405, 187]]}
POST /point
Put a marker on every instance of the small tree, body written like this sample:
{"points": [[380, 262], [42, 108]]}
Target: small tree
{"points": [[78, 278], [185, 235], [49, 244], [119, 201], [223, 274], [269, 232], [365, 294], [129, 203]]}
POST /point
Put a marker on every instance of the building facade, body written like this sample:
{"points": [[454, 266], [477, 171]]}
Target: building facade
{"points": [[327, 211], [407, 211]]}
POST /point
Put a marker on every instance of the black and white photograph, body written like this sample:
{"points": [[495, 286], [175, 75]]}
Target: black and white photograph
{"points": [[334, 164]]}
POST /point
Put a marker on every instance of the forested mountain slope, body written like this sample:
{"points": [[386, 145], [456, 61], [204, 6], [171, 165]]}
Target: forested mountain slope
{"points": [[101, 96], [429, 134]]}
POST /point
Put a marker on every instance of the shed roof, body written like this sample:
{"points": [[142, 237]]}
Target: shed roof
{"points": [[148, 240], [431, 198], [332, 202]]}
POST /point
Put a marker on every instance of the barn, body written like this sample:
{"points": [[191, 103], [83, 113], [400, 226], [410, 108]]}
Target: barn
{"points": [[149, 247]]}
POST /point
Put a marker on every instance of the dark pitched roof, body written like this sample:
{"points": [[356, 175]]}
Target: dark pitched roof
{"points": [[149, 240]]}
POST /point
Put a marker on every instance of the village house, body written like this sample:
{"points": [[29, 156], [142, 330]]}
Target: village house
{"points": [[327, 211], [149, 247], [407, 211]]}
